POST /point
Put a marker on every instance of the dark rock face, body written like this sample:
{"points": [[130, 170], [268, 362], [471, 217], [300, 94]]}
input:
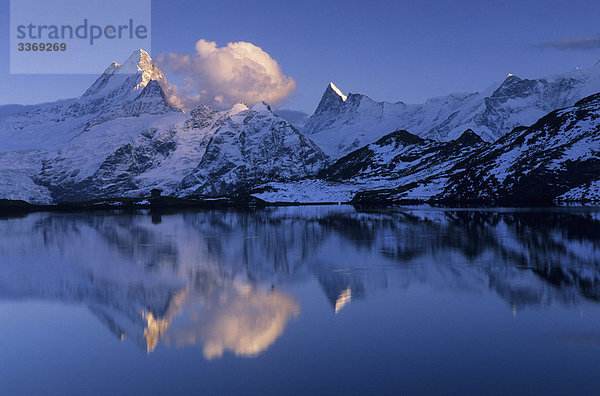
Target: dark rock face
{"points": [[399, 138], [329, 108], [403, 160], [151, 100], [556, 159], [558, 153], [469, 138], [201, 117]]}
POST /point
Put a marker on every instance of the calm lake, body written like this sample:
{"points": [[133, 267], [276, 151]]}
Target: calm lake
{"points": [[301, 300]]}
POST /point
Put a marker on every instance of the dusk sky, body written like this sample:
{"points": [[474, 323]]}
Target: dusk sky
{"points": [[389, 50]]}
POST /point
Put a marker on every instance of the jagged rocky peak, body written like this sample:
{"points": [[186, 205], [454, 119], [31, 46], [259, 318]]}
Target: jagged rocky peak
{"points": [[509, 81], [332, 99], [152, 89], [250, 148], [398, 138], [513, 86], [112, 68], [554, 159], [201, 117], [123, 79], [469, 138], [202, 111], [336, 90], [355, 97]]}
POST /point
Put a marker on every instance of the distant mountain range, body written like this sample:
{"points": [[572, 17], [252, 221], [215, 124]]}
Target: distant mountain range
{"points": [[507, 145], [342, 123]]}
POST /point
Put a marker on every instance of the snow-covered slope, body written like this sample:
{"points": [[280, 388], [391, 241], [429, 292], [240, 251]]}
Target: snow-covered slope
{"points": [[206, 152], [251, 147], [414, 168], [556, 158], [124, 100], [119, 92], [122, 138], [342, 124]]}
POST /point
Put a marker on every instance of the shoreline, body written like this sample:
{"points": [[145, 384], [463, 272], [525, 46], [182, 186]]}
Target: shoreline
{"points": [[164, 203]]}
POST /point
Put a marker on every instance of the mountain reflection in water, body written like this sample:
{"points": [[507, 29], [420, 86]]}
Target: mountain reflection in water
{"points": [[215, 278]]}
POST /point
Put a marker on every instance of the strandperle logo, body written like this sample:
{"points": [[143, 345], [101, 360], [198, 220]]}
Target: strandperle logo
{"points": [[85, 31], [74, 36]]}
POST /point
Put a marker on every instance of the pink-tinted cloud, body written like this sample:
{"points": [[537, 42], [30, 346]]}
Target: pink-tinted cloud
{"points": [[222, 76]]}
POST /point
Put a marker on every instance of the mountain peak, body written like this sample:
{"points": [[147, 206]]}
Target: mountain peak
{"points": [[399, 138], [138, 61], [332, 100], [511, 77], [513, 87], [337, 91], [469, 138], [237, 108], [128, 78], [153, 90]]}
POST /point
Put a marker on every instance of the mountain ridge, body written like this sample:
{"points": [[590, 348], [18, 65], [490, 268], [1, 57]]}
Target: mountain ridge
{"points": [[359, 120], [122, 138]]}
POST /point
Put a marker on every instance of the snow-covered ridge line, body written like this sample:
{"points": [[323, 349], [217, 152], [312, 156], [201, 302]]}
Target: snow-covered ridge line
{"points": [[123, 139], [555, 161], [341, 126]]}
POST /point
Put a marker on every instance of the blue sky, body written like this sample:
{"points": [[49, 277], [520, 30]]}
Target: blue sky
{"points": [[389, 50]]}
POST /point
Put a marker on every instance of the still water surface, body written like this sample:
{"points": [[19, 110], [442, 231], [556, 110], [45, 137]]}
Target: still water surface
{"points": [[301, 300]]}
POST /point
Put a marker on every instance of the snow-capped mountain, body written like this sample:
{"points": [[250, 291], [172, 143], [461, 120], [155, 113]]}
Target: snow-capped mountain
{"points": [[557, 158], [122, 138], [33, 135], [400, 154], [342, 124], [119, 92], [412, 167], [252, 147]]}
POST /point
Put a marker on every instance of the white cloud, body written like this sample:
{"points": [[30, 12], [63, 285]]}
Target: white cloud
{"points": [[223, 76]]}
